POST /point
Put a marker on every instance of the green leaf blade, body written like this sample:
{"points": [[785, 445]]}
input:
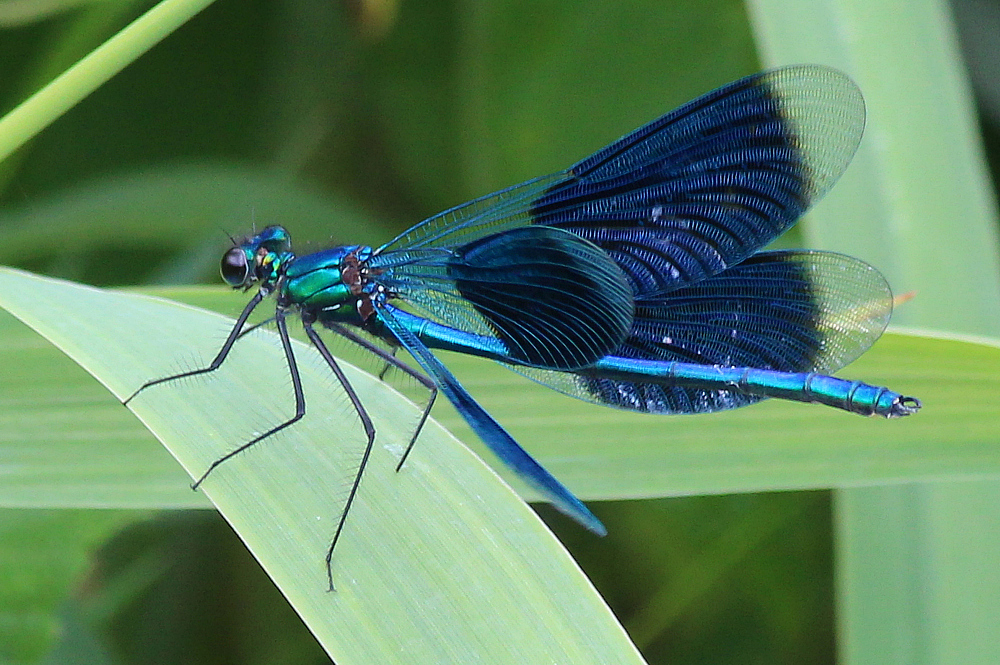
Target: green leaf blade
{"points": [[600, 453], [438, 563]]}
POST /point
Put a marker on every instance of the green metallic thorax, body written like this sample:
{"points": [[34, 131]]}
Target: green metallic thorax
{"points": [[329, 283]]}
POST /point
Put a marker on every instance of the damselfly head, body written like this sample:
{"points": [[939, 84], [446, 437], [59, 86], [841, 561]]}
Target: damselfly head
{"points": [[257, 258]]}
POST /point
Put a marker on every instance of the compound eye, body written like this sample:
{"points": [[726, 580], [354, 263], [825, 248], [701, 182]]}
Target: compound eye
{"points": [[234, 267]]}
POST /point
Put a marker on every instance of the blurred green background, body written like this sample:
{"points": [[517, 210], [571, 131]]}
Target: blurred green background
{"points": [[348, 122]]}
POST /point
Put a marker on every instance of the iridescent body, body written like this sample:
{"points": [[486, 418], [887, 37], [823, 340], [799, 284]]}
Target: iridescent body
{"points": [[634, 279]]}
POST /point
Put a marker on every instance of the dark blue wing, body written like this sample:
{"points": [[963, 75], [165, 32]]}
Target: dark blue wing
{"points": [[551, 298], [790, 311], [692, 193]]}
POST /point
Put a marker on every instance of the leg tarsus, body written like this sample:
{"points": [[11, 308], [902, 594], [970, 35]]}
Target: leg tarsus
{"points": [[366, 421], [220, 357], [300, 401], [420, 426]]}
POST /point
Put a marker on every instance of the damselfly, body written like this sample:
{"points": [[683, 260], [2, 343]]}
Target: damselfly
{"points": [[634, 279]]}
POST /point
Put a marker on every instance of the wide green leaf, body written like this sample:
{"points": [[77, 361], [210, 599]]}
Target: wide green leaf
{"points": [[438, 563], [72, 439], [771, 446]]}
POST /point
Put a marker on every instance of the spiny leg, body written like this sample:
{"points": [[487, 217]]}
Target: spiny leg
{"points": [[391, 360], [244, 333], [227, 346], [366, 421], [300, 401]]}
